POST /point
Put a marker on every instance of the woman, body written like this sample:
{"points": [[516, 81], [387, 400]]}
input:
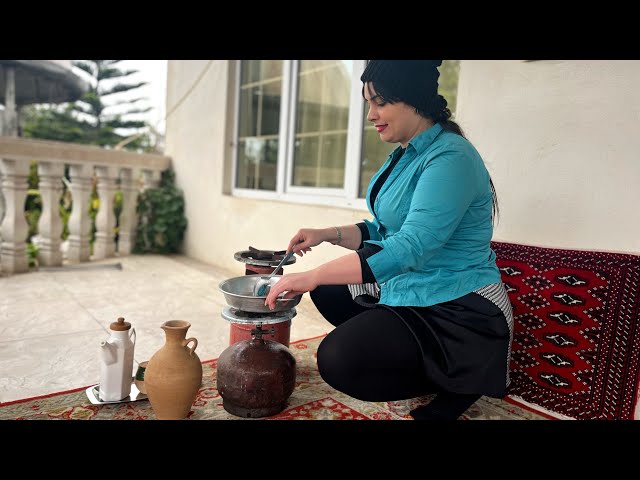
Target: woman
{"points": [[419, 308]]}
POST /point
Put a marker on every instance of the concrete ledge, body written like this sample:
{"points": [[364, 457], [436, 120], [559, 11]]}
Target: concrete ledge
{"points": [[64, 152]]}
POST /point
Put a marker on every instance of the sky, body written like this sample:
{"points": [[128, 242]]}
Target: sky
{"points": [[154, 72]]}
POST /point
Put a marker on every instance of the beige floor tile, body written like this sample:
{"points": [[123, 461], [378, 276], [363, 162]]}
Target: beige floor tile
{"points": [[52, 322], [20, 288], [36, 318], [38, 366]]}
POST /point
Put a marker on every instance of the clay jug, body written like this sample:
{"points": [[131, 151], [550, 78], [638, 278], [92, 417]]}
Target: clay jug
{"points": [[174, 373]]}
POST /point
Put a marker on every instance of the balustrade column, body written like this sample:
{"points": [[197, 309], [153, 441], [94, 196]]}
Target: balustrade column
{"points": [[50, 223], [128, 216], [150, 178], [80, 222], [14, 228], [105, 245]]}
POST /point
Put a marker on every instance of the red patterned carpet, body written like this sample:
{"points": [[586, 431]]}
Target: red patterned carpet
{"points": [[575, 353], [312, 399], [576, 333]]}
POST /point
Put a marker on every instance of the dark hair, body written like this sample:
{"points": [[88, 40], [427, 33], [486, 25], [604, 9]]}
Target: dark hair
{"points": [[443, 117]]}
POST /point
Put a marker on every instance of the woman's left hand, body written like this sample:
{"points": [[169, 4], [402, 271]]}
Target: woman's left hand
{"points": [[294, 284]]}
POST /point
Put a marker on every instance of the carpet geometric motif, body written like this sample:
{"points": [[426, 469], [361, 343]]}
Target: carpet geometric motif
{"points": [[576, 339]]}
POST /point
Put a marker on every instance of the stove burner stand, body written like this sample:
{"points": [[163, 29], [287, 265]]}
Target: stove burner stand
{"points": [[260, 262], [242, 324]]}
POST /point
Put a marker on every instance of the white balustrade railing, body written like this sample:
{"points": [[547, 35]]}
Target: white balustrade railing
{"points": [[133, 171]]}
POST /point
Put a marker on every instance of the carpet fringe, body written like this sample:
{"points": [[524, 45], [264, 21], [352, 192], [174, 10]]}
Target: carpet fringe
{"points": [[534, 407]]}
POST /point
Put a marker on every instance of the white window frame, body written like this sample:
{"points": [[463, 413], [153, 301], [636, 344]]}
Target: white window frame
{"points": [[346, 197]]}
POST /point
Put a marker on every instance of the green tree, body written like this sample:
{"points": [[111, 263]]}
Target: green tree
{"points": [[98, 118], [53, 122]]}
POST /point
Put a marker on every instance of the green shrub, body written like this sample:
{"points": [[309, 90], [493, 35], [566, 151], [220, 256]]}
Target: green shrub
{"points": [[32, 254], [33, 203], [161, 223]]}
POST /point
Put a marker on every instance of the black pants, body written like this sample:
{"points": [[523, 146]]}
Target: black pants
{"points": [[372, 356]]}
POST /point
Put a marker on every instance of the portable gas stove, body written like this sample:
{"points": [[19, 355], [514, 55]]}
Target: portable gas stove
{"points": [[255, 375], [260, 262], [242, 324]]}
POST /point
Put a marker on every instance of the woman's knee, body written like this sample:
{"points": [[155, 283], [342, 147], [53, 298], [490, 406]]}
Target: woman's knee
{"points": [[326, 357], [337, 365], [330, 365]]}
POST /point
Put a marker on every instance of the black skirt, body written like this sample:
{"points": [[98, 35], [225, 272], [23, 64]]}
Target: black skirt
{"points": [[465, 343]]}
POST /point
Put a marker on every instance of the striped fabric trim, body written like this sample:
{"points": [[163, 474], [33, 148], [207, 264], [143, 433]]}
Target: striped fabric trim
{"points": [[358, 289], [497, 293]]}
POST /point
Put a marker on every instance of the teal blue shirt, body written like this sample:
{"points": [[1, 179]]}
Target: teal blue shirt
{"points": [[432, 218]]}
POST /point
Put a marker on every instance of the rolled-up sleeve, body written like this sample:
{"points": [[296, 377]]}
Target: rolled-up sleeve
{"points": [[444, 191]]}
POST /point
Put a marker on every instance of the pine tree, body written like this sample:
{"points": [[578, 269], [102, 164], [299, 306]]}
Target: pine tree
{"points": [[93, 119]]}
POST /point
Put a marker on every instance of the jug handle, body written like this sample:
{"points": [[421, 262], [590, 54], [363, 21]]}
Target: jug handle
{"points": [[133, 334], [195, 344]]}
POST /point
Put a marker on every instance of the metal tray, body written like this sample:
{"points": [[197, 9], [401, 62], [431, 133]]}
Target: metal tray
{"points": [[94, 397]]}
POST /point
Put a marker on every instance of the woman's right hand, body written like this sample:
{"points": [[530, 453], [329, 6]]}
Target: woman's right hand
{"points": [[306, 238]]}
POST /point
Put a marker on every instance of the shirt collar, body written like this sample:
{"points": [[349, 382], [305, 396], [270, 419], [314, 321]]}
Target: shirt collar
{"points": [[421, 141]]}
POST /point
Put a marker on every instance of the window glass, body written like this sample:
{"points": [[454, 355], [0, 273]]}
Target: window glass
{"points": [[257, 163], [322, 111], [258, 123], [260, 70]]}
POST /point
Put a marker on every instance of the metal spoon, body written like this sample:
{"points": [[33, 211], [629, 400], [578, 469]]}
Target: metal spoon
{"points": [[261, 286]]}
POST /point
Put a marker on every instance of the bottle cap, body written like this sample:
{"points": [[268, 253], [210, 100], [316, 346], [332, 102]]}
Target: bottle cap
{"points": [[120, 325]]}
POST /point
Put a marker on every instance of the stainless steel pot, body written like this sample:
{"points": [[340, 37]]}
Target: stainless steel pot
{"points": [[238, 293]]}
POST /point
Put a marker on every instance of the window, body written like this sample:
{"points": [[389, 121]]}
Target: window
{"points": [[322, 114], [302, 132], [260, 98]]}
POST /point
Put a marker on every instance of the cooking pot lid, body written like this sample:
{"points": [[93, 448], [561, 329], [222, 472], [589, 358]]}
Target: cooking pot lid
{"points": [[234, 315], [262, 258]]}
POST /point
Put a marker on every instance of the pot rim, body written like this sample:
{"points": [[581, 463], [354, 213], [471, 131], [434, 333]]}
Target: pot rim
{"points": [[176, 324]]}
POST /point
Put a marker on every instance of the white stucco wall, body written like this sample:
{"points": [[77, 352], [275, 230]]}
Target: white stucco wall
{"points": [[560, 139], [562, 142], [198, 135]]}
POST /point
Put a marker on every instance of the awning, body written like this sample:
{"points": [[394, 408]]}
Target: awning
{"points": [[42, 81]]}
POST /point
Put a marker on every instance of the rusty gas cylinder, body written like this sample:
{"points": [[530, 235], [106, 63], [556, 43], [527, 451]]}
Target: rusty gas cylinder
{"points": [[256, 377]]}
